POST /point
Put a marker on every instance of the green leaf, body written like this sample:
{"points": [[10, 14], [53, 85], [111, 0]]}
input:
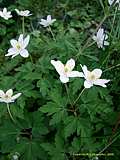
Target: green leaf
{"points": [[84, 128], [39, 127], [70, 126], [50, 108], [58, 117], [44, 86]]}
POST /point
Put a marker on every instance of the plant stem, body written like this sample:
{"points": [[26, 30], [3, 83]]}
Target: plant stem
{"points": [[110, 143], [115, 128], [52, 33], [114, 17], [73, 110], [8, 108], [118, 65], [78, 96], [31, 59], [86, 45], [68, 93], [23, 25]]}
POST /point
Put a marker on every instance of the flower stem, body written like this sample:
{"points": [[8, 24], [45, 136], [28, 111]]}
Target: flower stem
{"points": [[52, 33], [72, 110], [31, 59], [23, 30], [8, 108], [78, 96], [118, 65], [23, 25], [68, 93], [114, 17], [110, 143], [107, 57], [86, 45]]}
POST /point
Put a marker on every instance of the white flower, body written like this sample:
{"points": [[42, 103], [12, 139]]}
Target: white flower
{"points": [[15, 157], [100, 38], [93, 78], [65, 71], [8, 96], [47, 22], [25, 13], [5, 14], [18, 47], [116, 2], [112, 1]]}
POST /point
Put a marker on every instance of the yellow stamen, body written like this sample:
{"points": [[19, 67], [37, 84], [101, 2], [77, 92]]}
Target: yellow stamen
{"points": [[18, 46], [6, 96], [91, 76], [66, 69]]}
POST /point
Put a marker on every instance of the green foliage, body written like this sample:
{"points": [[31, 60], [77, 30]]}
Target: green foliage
{"points": [[48, 124]]}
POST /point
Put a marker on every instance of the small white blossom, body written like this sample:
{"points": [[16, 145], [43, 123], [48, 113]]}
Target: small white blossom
{"points": [[15, 157], [25, 13], [116, 2], [101, 38], [18, 47], [93, 77], [47, 22], [95, 158], [5, 14], [112, 1], [66, 71], [8, 97]]}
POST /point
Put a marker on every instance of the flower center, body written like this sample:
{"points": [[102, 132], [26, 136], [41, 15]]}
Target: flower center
{"points": [[66, 69], [91, 76], [18, 46], [6, 96]]}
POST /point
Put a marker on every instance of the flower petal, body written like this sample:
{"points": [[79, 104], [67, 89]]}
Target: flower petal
{"points": [[85, 70], [106, 36], [26, 41], [1, 13], [9, 92], [106, 43], [2, 100], [53, 20], [64, 79], [75, 74], [70, 64], [15, 96], [110, 2], [24, 53], [12, 51], [101, 82], [17, 11], [2, 93], [20, 39], [43, 20], [94, 38], [45, 24], [97, 73], [100, 44], [13, 42], [14, 55], [88, 84], [100, 33], [5, 10], [49, 18], [58, 66]]}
